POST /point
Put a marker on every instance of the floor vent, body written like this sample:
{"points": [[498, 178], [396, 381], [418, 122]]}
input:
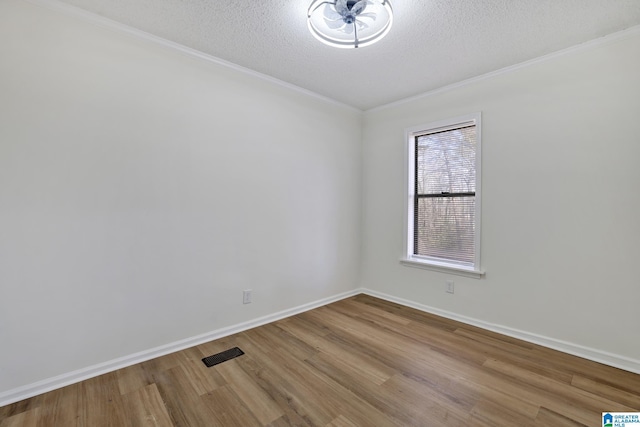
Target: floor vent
{"points": [[222, 357]]}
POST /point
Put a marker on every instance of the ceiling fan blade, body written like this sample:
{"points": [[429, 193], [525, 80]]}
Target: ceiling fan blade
{"points": [[362, 25], [358, 7], [371, 16], [341, 7], [330, 13], [334, 24]]}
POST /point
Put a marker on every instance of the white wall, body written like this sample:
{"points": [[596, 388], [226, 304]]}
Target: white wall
{"points": [[561, 206], [142, 189]]}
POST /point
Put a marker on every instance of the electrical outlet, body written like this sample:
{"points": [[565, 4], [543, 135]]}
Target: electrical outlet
{"points": [[450, 288], [246, 296]]}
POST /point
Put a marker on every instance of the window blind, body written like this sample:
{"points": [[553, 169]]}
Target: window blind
{"points": [[444, 205]]}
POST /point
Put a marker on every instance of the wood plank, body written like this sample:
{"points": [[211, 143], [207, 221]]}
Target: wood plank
{"points": [[279, 390], [227, 410], [372, 314], [359, 361], [23, 419], [498, 415], [547, 417], [21, 406], [605, 390], [265, 409], [183, 403], [145, 408], [133, 378], [62, 407], [585, 399], [380, 405], [426, 403], [102, 403], [341, 421], [330, 398], [202, 378]]}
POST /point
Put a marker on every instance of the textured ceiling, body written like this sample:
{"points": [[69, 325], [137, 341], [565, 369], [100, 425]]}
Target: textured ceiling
{"points": [[433, 43]]}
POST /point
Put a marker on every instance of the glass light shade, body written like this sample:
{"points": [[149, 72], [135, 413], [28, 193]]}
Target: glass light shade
{"points": [[350, 23]]}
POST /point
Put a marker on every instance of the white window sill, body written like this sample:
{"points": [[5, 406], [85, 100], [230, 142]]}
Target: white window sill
{"points": [[442, 267]]}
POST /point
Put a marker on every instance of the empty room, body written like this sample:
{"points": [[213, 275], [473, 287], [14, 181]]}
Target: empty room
{"points": [[319, 213]]}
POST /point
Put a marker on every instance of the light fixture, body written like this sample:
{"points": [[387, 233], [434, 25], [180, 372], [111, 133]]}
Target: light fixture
{"points": [[349, 23]]}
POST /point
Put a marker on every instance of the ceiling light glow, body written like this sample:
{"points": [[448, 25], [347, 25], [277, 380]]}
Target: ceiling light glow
{"points": [[350, 23]]}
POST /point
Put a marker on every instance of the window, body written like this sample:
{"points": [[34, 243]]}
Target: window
{"points": [[443, 203]]}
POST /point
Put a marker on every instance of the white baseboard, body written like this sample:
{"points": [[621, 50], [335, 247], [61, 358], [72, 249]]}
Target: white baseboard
{"points": [[63, 380], [615, 360], [34, 389]]}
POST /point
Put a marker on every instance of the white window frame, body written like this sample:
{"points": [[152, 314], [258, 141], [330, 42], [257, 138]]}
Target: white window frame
{"points": [[408, 257]]}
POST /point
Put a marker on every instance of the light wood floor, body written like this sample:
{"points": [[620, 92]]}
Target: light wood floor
{"points": [[358, 362]]}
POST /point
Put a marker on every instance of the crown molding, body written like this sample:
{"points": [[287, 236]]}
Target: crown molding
{"points": [[110, 24], [592, 44], [107, 23]]}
